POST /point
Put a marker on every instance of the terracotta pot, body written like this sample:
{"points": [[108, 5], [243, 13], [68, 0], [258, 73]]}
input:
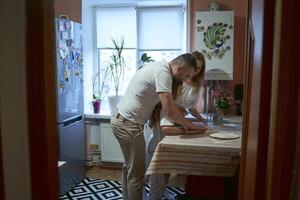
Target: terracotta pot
{"points": [[223, 112], [96, 106]]}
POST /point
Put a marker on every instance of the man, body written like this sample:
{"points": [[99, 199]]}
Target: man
{"points": [[149, 86]]}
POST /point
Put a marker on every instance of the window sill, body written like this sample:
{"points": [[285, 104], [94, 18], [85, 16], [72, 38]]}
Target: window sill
{"points": [[97, 117]]}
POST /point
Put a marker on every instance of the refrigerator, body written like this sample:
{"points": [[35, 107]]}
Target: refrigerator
{"points": [[70, 118]]}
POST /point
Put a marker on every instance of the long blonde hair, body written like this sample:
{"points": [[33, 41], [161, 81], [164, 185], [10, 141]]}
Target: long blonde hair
{"points": [[198, 80]]}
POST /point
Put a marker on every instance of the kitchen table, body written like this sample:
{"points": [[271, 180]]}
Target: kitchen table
{"points": [[198, 154]]}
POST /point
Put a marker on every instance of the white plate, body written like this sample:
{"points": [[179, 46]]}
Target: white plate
{"points": [[224, 136]]}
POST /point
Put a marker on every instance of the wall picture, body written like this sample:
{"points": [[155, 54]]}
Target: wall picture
{"points": [[214, 38]]}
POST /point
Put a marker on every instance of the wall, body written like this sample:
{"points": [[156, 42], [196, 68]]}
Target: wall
{"points": [[14, 135], [240, 12], [72, 8], [89, 53]]}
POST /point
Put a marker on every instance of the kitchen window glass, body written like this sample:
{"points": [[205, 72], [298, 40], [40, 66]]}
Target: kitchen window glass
{"points": [[157, 31]]}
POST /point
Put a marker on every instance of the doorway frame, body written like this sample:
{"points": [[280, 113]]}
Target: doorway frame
{"points": [[278, 161], [41, 102], [284, 129], [2, 193], [41, 99]]}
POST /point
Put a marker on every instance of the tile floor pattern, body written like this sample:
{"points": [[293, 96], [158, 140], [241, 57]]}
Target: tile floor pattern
{"points": [[96, 189]]}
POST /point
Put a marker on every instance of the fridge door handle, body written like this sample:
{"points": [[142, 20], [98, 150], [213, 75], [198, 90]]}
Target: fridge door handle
{"points": [[72, 121]]}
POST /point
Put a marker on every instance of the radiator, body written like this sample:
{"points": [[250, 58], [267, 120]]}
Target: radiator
{"points": [[110, 148]]}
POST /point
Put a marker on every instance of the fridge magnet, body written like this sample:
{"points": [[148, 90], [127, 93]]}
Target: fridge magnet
{"points": [[65, 61], [62, 44], [72, 56], [64, 35], [68, 25], [61, 26], [69, 42], [77, 72], [79, 57], [61, 85], [66, 74], [63, 53]]}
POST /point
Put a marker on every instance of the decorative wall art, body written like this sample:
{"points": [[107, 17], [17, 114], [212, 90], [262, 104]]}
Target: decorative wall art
{"points": [[214, 38]]}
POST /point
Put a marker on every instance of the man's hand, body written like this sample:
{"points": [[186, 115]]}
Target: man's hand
{"points": [[172, 111], [199, 126], [201, 130], [182, 110], [191, 132]]}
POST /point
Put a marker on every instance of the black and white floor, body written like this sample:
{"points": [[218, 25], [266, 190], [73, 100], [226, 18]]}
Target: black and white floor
{"points": [[96, 189]]}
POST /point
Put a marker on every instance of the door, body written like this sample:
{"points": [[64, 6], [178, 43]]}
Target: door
{"points": [[267, 159], [72, 151], [258, 99], [1, 168], [69, 74]]}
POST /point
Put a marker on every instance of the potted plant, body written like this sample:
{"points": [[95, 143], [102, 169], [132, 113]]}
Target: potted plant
{"points": [[223, 101], [145, 59], [115, 71], [98, 86]]}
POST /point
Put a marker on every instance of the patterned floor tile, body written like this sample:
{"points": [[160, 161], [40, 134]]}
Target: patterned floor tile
{"points": [[96, 189]]}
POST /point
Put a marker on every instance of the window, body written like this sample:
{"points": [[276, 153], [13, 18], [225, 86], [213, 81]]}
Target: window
{"points": [[160, 32], [157, 31]]}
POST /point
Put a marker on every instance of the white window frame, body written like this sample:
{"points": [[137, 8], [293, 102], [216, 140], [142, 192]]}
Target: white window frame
{"points": [[140, 51]]}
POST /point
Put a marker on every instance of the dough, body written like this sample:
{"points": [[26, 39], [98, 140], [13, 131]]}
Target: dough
{"points": [[224, 136]]}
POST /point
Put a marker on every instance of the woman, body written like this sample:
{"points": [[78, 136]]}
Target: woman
{"points": [[186, 96]]}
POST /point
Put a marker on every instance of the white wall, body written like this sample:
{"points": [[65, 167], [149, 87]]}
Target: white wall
{"points": [[89, 57], [13, 101]]}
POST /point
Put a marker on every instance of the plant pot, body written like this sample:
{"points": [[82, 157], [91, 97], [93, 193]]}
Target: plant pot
{"points": [[96, 106], [223, 112], [113, 102]]}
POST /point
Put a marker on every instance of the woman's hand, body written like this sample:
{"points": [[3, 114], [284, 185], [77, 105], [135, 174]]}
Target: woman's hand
{"points": [[201, 119], [197, 115]]}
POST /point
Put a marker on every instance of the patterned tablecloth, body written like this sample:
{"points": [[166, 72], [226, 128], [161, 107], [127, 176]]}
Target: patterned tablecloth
{"points": [[197, 155]]}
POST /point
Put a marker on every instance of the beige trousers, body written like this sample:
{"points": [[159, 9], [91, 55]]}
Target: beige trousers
{"points": [[131, 139]]}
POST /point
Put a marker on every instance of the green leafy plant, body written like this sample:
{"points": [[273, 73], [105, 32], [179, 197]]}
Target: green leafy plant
{"points": [[116, 64], [146, 59], [223, 99], [98, 86]]}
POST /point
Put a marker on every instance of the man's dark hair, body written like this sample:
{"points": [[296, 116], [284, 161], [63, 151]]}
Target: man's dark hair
{"points": [[186, 59]]}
